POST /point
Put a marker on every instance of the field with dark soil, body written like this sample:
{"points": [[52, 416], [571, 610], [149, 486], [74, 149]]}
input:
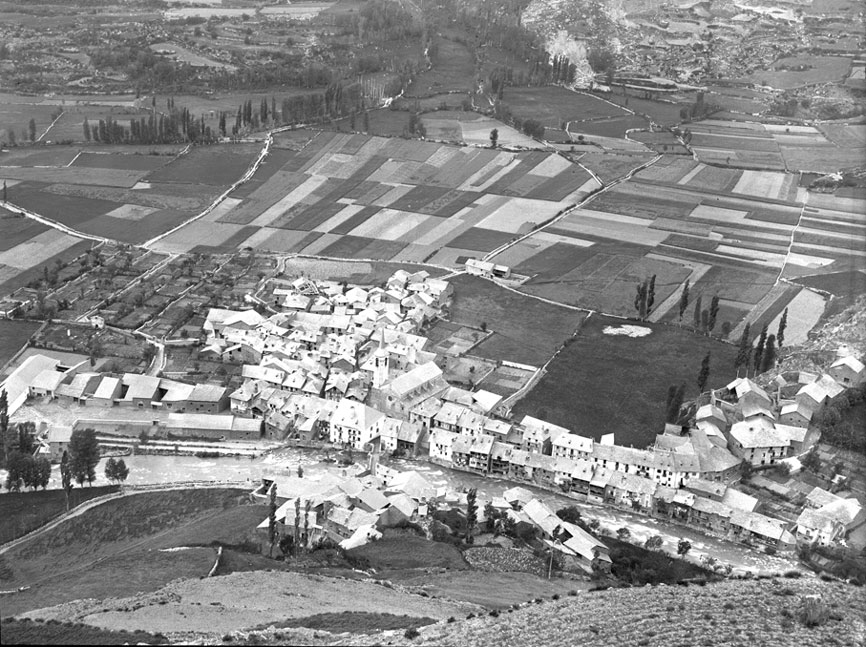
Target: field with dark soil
{"points": [[602, 383]]}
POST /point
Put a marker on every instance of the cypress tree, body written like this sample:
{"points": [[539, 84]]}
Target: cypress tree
{"points": [[745, 350], [651, 295]]}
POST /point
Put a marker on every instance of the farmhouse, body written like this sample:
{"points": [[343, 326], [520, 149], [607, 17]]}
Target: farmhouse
{"points": [[848, 371], [39, 369], [758, 442]]}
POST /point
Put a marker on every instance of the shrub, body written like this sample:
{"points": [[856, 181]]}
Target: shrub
{"points": [[813, 612], [792, 574], [451, 619], [228, 638], [494, 613], [411, 633]]}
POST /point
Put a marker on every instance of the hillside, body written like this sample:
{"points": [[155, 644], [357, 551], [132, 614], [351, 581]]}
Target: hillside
{"points": [[729, 613]]}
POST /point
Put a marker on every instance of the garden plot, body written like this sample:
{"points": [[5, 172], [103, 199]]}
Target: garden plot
{"points": [[519, 215], [131, 212], [74, 175]]}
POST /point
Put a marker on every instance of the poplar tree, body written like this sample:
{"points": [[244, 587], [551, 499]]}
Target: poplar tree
{"points": [[698, 311], [86, 130], [704, 373], [684, 299], [780, 333], [651, 294], [768, 359], [714, 312], [744, 351], [272, 519], [471, 513], [759, 349]]}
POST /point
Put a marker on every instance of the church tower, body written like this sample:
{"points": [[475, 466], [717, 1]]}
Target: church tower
{"points": [[380, 363]]}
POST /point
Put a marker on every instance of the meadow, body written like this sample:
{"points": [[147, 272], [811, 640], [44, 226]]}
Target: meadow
{"points": [[601, 383], [525, 330]]}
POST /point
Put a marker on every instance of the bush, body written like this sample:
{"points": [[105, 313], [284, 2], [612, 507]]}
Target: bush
{"points": [[813, 612], [792, 574], [411, 633]]}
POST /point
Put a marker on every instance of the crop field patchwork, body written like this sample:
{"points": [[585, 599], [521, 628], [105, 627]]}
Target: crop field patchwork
{"points": [[354, 196], [130, 197], [553, 106], [728, 231]]}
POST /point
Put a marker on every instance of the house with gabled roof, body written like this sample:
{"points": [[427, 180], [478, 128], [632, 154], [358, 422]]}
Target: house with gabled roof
{"points": [[848, 371], [571, 446], [796, 414], [758, 442], [354, 424], [538, 435]]}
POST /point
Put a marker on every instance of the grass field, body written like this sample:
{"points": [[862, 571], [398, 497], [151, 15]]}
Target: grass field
{"points": [[601, 383], [526, 330], [13, 335], [103, 552], [402, 550], [356, 622], [26, 511]]}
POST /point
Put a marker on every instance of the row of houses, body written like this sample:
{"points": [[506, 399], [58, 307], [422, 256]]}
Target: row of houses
{"points": [[41, 376]]}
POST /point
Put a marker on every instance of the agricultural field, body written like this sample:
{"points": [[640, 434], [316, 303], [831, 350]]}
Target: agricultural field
{"points": [[819, 69], [473, 129], [728, 231], [555, 106], [128, 196], [776, 147], [13, 336], [370, 198], [31, 248], [601, 382]]}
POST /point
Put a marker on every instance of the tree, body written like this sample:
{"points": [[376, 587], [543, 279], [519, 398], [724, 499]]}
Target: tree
{"points": [[4, 423], [654, 543], [490, 516], [110, 469], [83, 455], [640, 299], [570, 514], [698, 312], [683, 547], [759, 349], [780, 333], [811, 461], [684, 299], [86, 130], [676, 396], [494, 137], [116, 471], [651, 294], [272, 519], [66, 476], [297, 536], [768, 359], [471, 513], [31, 129], [714, 312], [623, 534], [744, 352], [704, 373], [366, 122]]}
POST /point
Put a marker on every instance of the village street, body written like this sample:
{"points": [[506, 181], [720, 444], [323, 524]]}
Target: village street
{"points": [[166, 469]]}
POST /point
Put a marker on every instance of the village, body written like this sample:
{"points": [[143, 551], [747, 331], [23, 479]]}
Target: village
{"points": [[345, 369]]}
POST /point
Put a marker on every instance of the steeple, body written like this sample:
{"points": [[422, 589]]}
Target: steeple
{"points": [[380, 362]]}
